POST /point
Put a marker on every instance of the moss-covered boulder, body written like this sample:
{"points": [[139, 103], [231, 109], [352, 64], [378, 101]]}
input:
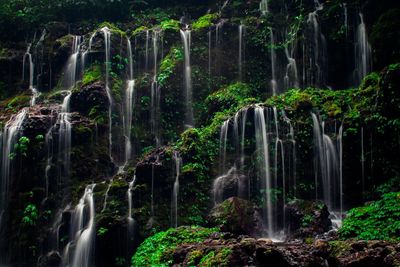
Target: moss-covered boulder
{"points": [[307, 218], [237, 216]]}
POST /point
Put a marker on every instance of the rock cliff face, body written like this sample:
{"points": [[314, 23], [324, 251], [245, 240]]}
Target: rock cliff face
{"points": [[236, 116]]}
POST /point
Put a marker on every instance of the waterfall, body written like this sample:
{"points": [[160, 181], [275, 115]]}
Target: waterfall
{"points": [[242, 31], [274, 84], [130, 219], [264, 7], [35, 92], [10, 134], [155, 91], [316, 50], [107, 47], [264, 166], [64, 120], [87, 51], [80, 248], [222, 149], [328, 165], [130, 58], [129, 104], [291, 77], [363, 52], [186, 39], [147, 50], [174, 203]]}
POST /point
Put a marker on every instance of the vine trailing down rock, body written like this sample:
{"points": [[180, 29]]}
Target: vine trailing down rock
{"points": [[275, 122]]}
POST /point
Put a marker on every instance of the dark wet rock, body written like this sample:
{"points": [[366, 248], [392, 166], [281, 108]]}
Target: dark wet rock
{"points": [[307, 218], [89, 99], [52, 259], [237, 216]]}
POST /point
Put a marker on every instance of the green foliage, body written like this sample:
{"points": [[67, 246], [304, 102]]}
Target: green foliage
{"points": [[170, 24], [20, 148], [91, 75], [230, 98], [17, 102], [168, 65], [205, 21], [156, 250], [102, 231], [377, 220], [214, 258], [31, 215]]}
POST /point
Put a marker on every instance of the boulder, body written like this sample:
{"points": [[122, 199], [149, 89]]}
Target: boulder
{"points": [[237, 216], [307, 218]]}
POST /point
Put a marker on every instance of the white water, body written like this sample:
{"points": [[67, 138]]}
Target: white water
{"points": [[128, 116], [79, 252], [316, 49], [264, 7], [363, 52], [107, 47], [10, 135], [130, 219], [64, 117], [155, 91], [263, 167], [35, 93], [291, 76], [222, 149], [328, 165], [175, 193], [186, 40]]}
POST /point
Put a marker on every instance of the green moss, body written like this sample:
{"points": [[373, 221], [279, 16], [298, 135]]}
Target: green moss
{"points": [[214, 258], [378, 220], [205, 21], [17, 102], [139, 30], [113, 28], [156, 250], [339, 248], [91, 75], [168, 65], [170, 24]]}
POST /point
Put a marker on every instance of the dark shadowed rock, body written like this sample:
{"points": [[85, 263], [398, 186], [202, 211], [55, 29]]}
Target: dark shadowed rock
{"points": [[307, 218], [237, 216]]}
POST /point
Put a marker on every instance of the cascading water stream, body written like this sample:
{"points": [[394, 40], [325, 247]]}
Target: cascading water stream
{"points": [[129, 104], [107, 47], [363, 52], [175, 193], [328, 166], [35, 93], [64, 117], [155, 91], [264, 7], [131, 221], [83, 232], [263, 167], [189, 118], [10, 135]]}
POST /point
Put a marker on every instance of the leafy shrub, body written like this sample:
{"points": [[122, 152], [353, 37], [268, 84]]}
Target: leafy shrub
{"points": [[377, 220], [156, 250], [91, 75], [205, 21]]}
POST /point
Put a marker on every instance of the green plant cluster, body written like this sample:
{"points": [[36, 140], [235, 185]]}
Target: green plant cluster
{"points": [[31, 215], [205, 21], [378, 220], [168, 65], [157, 249], [91, 75]]}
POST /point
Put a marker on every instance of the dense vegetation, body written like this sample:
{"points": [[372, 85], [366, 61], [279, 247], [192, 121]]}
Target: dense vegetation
{"points": [[97, 154]]}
